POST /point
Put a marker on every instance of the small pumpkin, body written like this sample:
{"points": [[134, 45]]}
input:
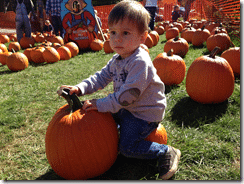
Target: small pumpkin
{"points": [[160, 30], [144, 47], [51, 55], [210, 79], [159, 135], [170, 68], [220, 40], [56, 45], [25, 42], [14, 45], [233, 56], [3, 47], [58, 39], [74, 49], [179, 26], [13, 37], [4, 38], [37, 54], [188, 33], [219, 29], [107, 48], [40, 38], [200, 36], [172, 32], [79, 144], [64, 53], [27, 52], [4, 56], [155, 37], [96, 45], [17, 61], [149, 41], [179, 45]]}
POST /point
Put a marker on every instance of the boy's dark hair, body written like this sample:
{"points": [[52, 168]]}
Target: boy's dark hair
{"points": [[132, 10]]}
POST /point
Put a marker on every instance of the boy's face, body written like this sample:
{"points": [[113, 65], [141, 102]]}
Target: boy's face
{"points": [[125, 37]]}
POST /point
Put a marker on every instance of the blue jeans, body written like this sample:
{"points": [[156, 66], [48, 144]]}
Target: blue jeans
{"points": [[133, 131], [22, 26], [57, 25]]}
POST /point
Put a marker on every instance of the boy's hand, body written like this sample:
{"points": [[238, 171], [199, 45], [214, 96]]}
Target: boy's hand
{"points": [[90, 105], [73, 89]]}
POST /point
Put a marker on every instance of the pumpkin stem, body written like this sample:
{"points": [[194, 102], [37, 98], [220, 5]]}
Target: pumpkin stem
{"points": [[72, 100], [170, 52], [214, 52], [203, 27], [176, 38], [13, 50]]}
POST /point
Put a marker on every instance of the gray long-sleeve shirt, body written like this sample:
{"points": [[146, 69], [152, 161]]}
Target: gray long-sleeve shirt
{"points": [[137, 87]]}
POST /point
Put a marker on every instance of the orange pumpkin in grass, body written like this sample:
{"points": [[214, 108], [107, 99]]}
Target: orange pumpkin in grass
{"points": [[64, 53], [4, 56], [220, 40], [233, 56], [155, 37], [17, 61], [79, 144], [107, 48], [159, 135], [149, 41], [13, 37], [57, 39], [74, 49], [200, 36], [25, 42], [172, 32], [96, 45], [4, 38], [170, 68], [51, 55], [27, 52], [160, 30], [179, 45], [210, 79], [37, 55], [14, 45], [188, 33], [3, 47]]}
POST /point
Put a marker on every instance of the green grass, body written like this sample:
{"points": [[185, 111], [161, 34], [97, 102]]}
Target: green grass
{"points": [[207, 135]]}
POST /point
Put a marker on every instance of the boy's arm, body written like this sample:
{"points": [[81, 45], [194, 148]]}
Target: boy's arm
{"points": [[136, 82], [96, 82]]}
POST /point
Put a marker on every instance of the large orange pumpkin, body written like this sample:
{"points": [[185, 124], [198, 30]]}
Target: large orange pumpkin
{"points": [[17, 61], [233, 56], [210, 79], [80, 144], [170, 68]]}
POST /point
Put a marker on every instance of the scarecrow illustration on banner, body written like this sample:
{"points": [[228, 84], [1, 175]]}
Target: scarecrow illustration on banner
{"points": [[78, 20]]}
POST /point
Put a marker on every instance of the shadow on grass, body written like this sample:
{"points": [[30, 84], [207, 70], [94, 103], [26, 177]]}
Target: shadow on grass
{"points": [[123, 169], [169, 88], [6, 72], [194, 114]]}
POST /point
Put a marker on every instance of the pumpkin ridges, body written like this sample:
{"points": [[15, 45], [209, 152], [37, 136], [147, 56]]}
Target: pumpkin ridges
{"points": [[210, 80], [74, 49], [17, 61], [64, 53]]}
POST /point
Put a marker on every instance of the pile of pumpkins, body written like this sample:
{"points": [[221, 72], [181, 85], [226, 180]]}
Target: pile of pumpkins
{"points": [[210, 78], [99, 44], [50, 49]]}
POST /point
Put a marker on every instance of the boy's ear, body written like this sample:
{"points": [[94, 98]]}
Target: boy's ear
{"points": [[144, 36]]}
